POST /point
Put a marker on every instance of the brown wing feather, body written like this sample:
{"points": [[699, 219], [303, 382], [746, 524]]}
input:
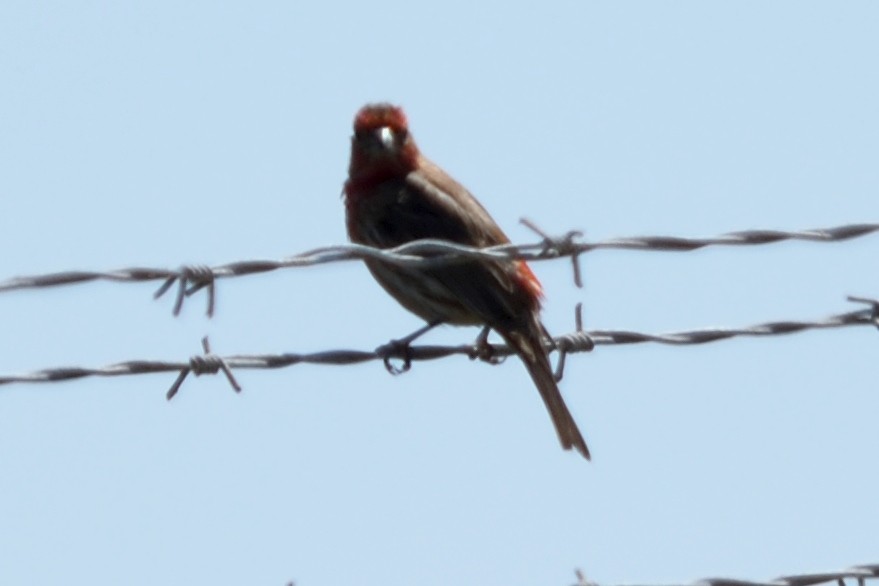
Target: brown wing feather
{"points": [[412, 208]]}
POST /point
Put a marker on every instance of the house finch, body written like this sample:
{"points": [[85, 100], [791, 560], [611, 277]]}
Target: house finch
{"points": [[395, 195]]}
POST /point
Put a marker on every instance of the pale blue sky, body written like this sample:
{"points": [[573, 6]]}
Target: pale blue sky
{"points": [[163, 133]]}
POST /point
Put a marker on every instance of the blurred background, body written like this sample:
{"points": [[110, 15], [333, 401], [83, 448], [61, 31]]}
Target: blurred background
{"points": [[163, 133]]}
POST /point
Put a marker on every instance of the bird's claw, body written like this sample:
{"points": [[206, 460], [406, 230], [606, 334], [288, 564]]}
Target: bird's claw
{"points": [[484, 351], [396, 349], [402, 349]]}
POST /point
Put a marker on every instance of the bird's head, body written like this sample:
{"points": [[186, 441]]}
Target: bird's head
{"points": [[381, 145]]}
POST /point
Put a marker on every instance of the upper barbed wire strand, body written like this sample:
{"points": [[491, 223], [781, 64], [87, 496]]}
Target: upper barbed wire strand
{"points": [[442, 252]]}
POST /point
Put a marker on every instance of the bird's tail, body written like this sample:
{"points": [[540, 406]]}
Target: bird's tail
{"points": [[528, 345]]}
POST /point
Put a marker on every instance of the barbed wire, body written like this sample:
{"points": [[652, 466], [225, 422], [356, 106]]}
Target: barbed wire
{"points": [[861, 573], [575, 342], [422, 253]]}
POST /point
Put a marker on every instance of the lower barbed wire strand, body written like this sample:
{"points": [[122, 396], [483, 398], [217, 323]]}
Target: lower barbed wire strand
{"points": [[575, 342]]}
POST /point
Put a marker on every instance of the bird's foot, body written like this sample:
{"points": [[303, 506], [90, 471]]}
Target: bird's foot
{"points": [[402, 349], [396, 349], [484, 351]]}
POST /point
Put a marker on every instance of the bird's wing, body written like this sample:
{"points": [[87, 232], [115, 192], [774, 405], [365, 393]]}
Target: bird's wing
{"points": [[425, 205]]}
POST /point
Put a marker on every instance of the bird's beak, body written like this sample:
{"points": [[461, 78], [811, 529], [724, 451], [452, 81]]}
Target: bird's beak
{"points": [[386, 137], [378, 142]]}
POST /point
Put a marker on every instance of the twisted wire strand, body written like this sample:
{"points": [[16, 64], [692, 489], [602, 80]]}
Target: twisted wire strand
{"points": [[574, 342], [860, 573], [192, 278]]}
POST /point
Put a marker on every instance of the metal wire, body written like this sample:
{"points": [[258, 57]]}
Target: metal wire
{"points": [[574, 342], [192, 278], [702, 336], [861, 573]]}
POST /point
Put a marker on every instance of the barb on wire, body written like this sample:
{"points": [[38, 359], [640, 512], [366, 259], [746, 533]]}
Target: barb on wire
{"points": [[577, 341], [191, 278], [861, 573], [558, 247], [208, 363]]}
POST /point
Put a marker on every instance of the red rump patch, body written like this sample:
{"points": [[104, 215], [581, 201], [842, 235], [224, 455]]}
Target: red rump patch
{"points": [[528, 279], [372, 116]]}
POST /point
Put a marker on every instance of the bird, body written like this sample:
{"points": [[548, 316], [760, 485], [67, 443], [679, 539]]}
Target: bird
{"points": [[394, 195]]}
